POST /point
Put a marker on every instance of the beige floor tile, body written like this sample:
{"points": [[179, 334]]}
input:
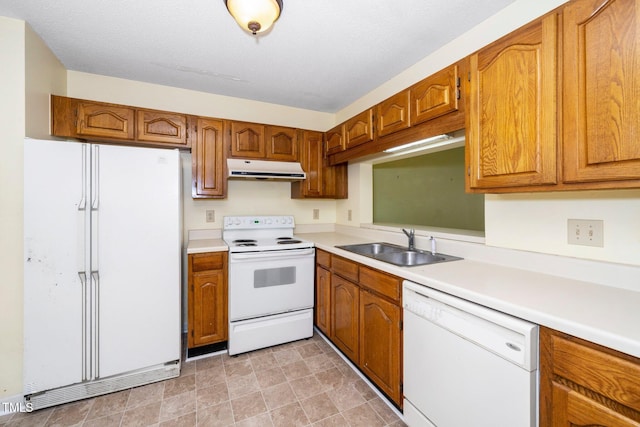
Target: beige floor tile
{"points": [[208, 363], [291, 415], [308, 349], [306, 387], [211, 376], [239, 369], [187, 420], [262, 420], [210, 396], [30, 419], [331, 379], [319, 407], [264, 361], [333, 421], [363, 416], [364, 389], [70, 414], [318, 363], [216, 416], [287, 355], [383, 410], [248, 406], [278, 395], [270, 377], [239, 386], [187, 368], [176, 386], [145, 395], [109, 404], [230, 360], [106, 421], [296, 370], [178, 405], [346, 397], [142, 416]]}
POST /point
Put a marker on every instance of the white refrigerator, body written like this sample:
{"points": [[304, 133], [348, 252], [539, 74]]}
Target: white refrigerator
{"points": [[102, 254]]}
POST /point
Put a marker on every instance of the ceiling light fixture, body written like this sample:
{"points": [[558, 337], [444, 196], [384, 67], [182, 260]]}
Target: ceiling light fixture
{"points": [[437, 140], [255, 16]]}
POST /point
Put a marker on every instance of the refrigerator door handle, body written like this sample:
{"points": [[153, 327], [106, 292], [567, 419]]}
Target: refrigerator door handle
{"points": [[95, 325], [82, 205], [95, 178], [83, 282]]}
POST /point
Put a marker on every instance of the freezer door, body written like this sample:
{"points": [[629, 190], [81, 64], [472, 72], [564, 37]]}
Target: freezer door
{"points": [[136, 256], [55, 239]]}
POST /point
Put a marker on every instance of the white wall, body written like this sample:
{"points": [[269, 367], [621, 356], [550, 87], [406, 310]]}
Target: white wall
{"points": [[29, 72]]}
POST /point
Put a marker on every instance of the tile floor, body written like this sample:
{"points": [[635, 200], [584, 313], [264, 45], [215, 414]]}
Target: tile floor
{"points": [[304, 383]]}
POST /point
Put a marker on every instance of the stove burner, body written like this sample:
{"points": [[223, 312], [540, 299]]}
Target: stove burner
{"points": [[284, 238], [244, 241], [246, 244], [289, 241]]}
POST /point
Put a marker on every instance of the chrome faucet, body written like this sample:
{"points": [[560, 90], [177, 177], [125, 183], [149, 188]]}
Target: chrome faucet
{"points": [[433, 245], [411, 234]]}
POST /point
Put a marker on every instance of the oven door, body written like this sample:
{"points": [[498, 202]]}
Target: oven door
{"points": [[270, 282]]}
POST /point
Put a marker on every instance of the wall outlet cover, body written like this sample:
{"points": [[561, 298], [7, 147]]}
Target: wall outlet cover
{"points": [[586, 232]]}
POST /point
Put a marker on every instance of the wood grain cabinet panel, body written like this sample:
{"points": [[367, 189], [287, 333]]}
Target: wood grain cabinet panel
{"points": [[601, 113], [208, 164], [334, 139], [282, 143], [207, 299], [156, 126], [379, 340], [323, 300], [105, 120], [585, 384], [323, 181], [359, 129], [345, 304], [511, 130], [247, 140], [435, 96], [393, 114]]}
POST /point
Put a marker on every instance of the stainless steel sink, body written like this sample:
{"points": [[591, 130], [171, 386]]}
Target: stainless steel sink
{"points": [[397, 255]]}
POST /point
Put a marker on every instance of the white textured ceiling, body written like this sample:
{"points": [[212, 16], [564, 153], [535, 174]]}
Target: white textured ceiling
{"points": [[320, 55]]}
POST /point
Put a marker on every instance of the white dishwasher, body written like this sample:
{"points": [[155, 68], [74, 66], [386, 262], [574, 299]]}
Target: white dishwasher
{"points": [[465, 364]]}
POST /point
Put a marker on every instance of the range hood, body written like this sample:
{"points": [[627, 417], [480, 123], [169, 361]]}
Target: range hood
{"points": [[265, 169]]}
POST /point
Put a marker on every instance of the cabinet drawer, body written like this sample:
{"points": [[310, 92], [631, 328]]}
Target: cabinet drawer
{"points": [[323, 258], [384, 284], [208, 261], [605, 371], [345, 268]]}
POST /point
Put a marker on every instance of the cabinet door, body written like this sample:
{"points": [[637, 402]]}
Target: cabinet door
{"points": [[247, 140], [345, 303], [323, 300], [208, 161], [334, 140], [359, 129], [207, 304], [393, 114], [157, 126], [312, 162], [601, 89], [511, 129], [380, 343], [585, 384], [282, 143], [436, 95], [209, 308], [334, 181], [105, 121]]}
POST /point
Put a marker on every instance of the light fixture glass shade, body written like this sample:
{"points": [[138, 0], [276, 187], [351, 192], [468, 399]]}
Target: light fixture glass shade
{"points": [[255, 16]]}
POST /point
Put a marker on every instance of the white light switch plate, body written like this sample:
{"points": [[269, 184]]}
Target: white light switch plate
{"points": [[586, 232]]}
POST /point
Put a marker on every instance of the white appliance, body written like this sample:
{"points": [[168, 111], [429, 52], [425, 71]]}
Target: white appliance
{"points": [[271, 280], [102, 237], [466, 365]]}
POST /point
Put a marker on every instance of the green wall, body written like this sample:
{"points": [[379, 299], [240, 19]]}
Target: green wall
{"points": [[426, 190]]}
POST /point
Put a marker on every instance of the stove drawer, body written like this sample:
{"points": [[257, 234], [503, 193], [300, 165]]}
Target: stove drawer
{"points": [[207, 261]]}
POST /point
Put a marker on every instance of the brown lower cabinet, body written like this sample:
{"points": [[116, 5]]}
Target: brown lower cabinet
{"points": [[585, 384], [207, 305], [358, 308]]}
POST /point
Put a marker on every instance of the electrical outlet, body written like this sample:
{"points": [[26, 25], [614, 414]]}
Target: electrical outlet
{"points": [[349, 216], [211, 216], [586, 232], [316, 214]]}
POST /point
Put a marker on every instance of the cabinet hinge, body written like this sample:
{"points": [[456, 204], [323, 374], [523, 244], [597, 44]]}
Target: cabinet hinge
{"points": [[195, 128], [401, 387], [458, 82], [401, 325], [469, 76], [458, 93], [469, 171]]}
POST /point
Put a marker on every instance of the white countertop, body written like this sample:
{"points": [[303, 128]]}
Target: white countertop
{"points": [[199, 246], [605, 315]]}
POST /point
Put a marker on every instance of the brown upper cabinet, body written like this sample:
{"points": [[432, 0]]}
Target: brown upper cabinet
{"points": [[257, 141], [282, 143], [104, 122], [157, 126], [322, 181], [601, 88], [511, 123], [359, 129], [247, 140], [393, 114], [208, 163], [334, 140], [435, 96]]}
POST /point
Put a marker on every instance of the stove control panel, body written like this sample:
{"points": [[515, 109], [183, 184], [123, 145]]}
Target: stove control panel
{"points": [[258, 222]]}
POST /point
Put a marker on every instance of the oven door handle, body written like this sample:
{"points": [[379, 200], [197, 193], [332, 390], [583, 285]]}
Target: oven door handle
{"points": [[292, 253]]}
